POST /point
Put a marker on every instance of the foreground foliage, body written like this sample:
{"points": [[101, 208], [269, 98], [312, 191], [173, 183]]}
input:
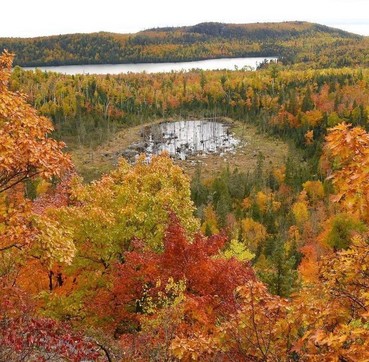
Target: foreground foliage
{"points": [[27, 154]]}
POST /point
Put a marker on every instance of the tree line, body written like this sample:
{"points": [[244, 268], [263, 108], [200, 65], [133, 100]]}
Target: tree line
{"points": [[302, 43], [86, 109]]}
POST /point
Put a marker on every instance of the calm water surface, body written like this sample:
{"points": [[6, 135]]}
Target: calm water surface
{"points": [[210, 64], [182, 139]]}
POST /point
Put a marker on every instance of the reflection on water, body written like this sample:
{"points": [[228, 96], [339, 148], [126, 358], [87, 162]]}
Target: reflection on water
{"points": [[209, 64], [185, 138]]}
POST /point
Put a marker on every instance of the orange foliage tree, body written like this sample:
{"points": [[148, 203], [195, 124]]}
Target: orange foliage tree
{"points": [[346, 158], [333, 312], [26, 152], [262, 329]]}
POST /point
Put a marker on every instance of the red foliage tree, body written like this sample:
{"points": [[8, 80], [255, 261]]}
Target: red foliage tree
{"points": [[26, 337], [189, 282]]}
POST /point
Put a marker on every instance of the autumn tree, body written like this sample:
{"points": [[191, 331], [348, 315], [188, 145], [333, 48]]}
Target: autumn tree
{"points": [[333, 312], [191, 281], [332, 306], [26, 152], [252, 233], [26, 336], [130, 202], [105, 217], [346, 158], [260, 330]]}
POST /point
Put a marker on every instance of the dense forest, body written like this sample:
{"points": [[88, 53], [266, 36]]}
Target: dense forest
{"points": [[147, 264], [293, 42]]}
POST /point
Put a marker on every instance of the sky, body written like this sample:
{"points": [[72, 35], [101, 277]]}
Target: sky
{"points": [[30, 18]]}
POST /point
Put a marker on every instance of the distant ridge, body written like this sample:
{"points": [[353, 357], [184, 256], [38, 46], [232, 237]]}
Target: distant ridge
{"points": [[256, 30], [294, 42]]}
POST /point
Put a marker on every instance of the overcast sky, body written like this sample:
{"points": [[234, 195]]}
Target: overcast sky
{"points": [[29, 18]]}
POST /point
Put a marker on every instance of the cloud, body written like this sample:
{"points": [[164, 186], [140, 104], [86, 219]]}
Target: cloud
{"points": [[39, 17]]}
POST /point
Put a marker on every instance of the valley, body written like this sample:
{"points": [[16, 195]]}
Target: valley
{"points": [[246, 240]]}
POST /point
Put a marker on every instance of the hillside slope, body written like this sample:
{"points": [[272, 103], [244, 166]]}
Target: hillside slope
{"points": [[293, 42]]}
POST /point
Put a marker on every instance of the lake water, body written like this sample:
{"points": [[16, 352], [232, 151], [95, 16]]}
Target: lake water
{"points": [[182, 139], [210, 64]]}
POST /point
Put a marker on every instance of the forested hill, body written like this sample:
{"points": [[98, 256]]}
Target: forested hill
{"points": [[294, 42], [256, 31]]}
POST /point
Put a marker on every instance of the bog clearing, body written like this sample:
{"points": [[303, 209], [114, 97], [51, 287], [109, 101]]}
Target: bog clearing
{"points": [[243, 145]]}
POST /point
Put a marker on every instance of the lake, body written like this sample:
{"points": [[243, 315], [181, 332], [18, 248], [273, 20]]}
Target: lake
{"points": [[210, 64]]}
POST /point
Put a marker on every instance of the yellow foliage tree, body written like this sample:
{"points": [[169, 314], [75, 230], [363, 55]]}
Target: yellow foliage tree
{"points": [[132, 202], [252, 233], [300, 209], [314, 190], [280, 174], [313, 118], [210, 224], [261, 200]]}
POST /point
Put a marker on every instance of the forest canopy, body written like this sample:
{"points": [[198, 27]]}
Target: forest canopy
{"points": [[311, 44], [146, 264]]}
